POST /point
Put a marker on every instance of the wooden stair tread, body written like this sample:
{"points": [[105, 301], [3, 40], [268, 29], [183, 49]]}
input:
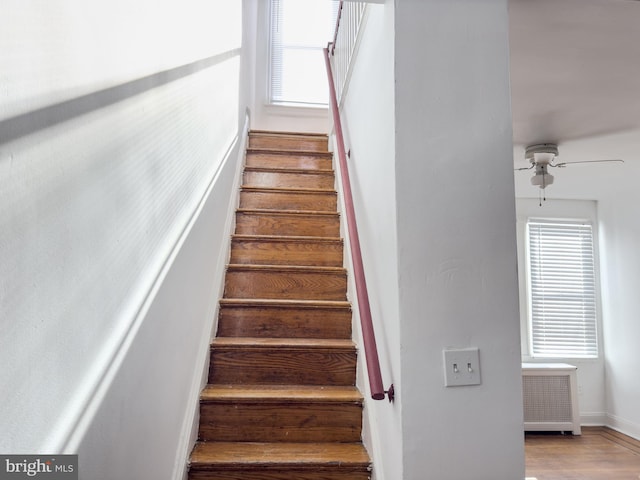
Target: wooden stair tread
{"points": [[299, 190], [259, 302], [284, 152], [263, 211], [286, 133], [285, 268], [250, 454], [301, 171], [283, 343], [280, 393], [287, 238]]}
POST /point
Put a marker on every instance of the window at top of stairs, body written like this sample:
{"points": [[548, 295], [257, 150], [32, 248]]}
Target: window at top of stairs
{"points": [[298, 33]]}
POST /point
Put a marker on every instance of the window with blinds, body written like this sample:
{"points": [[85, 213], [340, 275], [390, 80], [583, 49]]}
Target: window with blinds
{"points": [[562, 289], [299, 32]]}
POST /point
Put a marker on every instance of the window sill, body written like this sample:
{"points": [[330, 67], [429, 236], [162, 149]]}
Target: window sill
{"points": [[300, 110]]}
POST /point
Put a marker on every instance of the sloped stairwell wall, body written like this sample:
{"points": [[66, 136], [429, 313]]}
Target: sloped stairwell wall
{"points": [[119, 130], [368, 125], [426, 109]]}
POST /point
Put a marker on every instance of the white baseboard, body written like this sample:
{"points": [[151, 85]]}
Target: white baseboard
{"points": [[622, 425], [593, 419]]}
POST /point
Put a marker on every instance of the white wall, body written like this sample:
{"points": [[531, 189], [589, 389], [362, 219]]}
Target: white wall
{"points": [[115, 121], [368, 123], [620, 267], [620, 227], [148, 404], [456, 239]]}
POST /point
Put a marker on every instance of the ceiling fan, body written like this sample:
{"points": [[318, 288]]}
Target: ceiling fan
{"points": [[542, 156]]}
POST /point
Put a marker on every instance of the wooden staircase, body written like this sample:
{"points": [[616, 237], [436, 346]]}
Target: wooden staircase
{"points": [[281, 402]]}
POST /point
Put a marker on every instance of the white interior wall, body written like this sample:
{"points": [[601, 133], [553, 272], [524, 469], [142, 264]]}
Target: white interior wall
{"points": [[620, 267], [368, 123], [149, 403], [112, 132], [456, 239]]}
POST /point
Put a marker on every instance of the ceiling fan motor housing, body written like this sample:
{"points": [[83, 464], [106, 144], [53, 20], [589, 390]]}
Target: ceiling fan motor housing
{"points": [[542, 153]]}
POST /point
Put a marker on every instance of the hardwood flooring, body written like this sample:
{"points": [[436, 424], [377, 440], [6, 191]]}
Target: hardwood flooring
{"points": [[598, 454]]}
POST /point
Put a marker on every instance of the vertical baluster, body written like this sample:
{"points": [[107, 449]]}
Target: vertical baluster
{"points": [[345, 42]]}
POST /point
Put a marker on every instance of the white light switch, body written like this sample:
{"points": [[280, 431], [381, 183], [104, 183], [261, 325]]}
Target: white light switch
{"points": [[461, 367]]}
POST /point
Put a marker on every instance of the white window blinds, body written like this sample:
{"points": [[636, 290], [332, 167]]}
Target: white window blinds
{"points": [[562, 289], [299, 32]]}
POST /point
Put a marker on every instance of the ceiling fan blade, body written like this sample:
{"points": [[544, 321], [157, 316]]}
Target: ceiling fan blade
{"points": [[524, 168], [564, 164]]}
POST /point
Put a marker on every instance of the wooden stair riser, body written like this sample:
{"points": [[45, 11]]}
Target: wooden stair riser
{"points": [[279, 461], [284, 422], [283, 251], [267, 178], [281, 283], [319, 472], [288, 200], [271, 141], [262, 159], [284, 322], [278, 366], [254, 222]]}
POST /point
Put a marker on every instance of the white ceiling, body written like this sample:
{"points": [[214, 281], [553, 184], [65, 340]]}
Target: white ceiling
{"points": [[575, 80]]}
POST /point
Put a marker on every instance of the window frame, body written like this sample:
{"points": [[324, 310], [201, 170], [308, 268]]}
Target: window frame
{"points": [[270, 64], [528, 289]]}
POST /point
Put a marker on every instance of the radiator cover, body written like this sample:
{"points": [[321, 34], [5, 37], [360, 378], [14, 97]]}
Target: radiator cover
{"points": [[550, 397]]}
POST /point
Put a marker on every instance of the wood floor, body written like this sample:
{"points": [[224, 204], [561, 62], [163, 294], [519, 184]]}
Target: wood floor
{"points": [[598, 454]]}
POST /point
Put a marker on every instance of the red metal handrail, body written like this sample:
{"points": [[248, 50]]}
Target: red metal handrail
{"points": [[368, 335]]}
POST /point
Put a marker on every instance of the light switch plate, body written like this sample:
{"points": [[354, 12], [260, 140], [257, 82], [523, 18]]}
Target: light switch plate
{"points": [[461, 367]]}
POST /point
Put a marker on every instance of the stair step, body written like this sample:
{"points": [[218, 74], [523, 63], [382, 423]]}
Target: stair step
{"points": [[279, 461], [259, 413], [277, 250], [292, 394], [289, 199], [306, 160], [281, 402], [292, 361], [284, 319], [286, 282], [288, 178], [292, 223], [288, 141]]}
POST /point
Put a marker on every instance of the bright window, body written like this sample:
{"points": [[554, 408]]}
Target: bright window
{"points": [[299, 32], [562, 289]]}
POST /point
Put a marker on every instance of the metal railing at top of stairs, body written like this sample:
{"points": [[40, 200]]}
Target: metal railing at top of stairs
{"points": [[368, 335], [345, 39]]}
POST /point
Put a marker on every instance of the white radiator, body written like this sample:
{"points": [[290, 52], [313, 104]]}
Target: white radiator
{"points": [[550, 394]]}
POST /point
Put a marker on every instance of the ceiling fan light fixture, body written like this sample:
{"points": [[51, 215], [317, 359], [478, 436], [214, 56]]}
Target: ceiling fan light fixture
{"points": [[542, 180]]}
